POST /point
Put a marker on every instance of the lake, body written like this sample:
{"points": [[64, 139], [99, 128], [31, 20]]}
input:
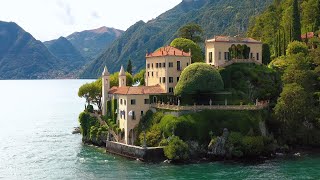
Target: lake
{"points": [[36, 121]]}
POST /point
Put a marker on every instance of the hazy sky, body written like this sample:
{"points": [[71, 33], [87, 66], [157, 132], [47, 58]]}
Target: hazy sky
{"points": [[50, 19]]}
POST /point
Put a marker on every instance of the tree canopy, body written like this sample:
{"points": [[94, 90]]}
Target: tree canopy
{"points": [[191, 31], [92, 92], [114, 79], [129, 67], [297, 47], [140, 77], [199, 78], [186, 45], [296, 24]]}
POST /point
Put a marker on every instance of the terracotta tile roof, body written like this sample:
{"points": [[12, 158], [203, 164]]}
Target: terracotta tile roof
{"points": [[168, 51], [140, 90], [233, 40], [309, 35]]}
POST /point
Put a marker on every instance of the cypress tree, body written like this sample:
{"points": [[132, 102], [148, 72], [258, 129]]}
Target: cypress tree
{"points": [[129, 67], [296, 25], [317, 22]]}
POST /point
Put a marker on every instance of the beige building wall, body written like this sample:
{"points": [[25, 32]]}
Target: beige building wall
{"points": [[164, 71], [127, 122], [218, 50]]}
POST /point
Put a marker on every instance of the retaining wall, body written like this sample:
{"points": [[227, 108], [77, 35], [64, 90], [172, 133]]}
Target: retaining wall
{"points": [[135, 152]]}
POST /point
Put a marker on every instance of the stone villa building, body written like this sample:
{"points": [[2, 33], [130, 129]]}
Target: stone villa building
{"points": [[218, 50], [163, 70]]}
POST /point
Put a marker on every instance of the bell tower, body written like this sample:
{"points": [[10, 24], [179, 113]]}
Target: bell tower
{"points": [[122, 78], [105, 89]]}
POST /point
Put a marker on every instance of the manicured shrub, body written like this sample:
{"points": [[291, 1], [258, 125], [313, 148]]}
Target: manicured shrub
{"points": [[186, 45], [199, 78], [297, 47], [153, 137], [176, 149]]}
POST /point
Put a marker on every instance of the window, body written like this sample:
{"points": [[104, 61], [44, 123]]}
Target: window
{"points": [[121, 101], [148, 74], [148, 65], [170, 79], [146, 101], [164, 64], [125, 102], [187, 64], [225, 55], [141, 113], [160, 65], [164, 80], [178, 66], [157, 65], [177, 79], [170, 90], [251, 55], [160, 79], [133, 101], [210, 57], [170, 64], [257, 56], [133, 115], [152, 74], [219, 55], [152, 65], [157, 74]]}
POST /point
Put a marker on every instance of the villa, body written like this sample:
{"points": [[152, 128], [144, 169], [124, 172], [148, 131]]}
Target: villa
{"points": [[222, 51], [163, 70]]}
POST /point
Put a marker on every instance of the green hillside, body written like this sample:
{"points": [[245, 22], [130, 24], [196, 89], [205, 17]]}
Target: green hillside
{"points": [[217, 17]]}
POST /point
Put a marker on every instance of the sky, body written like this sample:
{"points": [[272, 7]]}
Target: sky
{"points": [[50, 19]]}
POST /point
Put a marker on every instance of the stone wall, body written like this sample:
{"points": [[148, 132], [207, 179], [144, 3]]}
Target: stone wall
{"points": [[136, 152]]}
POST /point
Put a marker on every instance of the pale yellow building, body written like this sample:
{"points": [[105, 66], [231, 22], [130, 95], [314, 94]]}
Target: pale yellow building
{"points": [[218, 51], [163, 69]]}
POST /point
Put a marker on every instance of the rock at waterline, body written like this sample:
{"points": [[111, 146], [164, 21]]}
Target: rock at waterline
{"points": [[76, 130]]}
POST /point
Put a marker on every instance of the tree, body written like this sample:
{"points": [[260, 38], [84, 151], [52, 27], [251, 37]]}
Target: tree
{"points": [[297, 47], [266, 54], [191, 31], [317, 22], [140, 76], [129, 67], [176, 149], [199, 78], [92, 92], [296, 25], [186, 45]]}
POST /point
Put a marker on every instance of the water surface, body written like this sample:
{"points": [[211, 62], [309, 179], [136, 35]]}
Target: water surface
{"points": [[36, 120]]}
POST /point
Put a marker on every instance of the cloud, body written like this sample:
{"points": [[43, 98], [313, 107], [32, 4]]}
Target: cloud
{"points": [[95, 15], [66, 16]]}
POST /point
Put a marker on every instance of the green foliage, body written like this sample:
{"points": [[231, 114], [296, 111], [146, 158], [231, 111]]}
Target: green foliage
{"points": [[176, 149], [140, 76], [186, 45], [253, 145], [199, 78], [90, 109], [129, 67], [297, 47], [266, 54], [86, 122], [191, 31], [114, 79], [93, 133], [215, 17], [92, 92], [249, 82], [153, 137], [239, 51], [296, 25]]}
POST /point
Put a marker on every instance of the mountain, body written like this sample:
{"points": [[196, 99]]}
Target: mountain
{"points": [[24, 57], [217, 17], [64, 50], [91, 43]]}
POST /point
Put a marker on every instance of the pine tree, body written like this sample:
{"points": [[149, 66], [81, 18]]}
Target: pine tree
{"points": [[296, 24], [129, 67]]}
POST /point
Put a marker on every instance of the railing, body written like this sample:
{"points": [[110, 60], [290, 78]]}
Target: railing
{"points": [[258, 106], [232, 61]]}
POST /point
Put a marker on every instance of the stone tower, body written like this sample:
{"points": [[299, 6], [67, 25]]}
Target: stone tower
{"points": [[105, 89], [122, 77]]}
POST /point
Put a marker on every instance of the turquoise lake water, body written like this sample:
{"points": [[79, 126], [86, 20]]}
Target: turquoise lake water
{"points": [[36, 120]]}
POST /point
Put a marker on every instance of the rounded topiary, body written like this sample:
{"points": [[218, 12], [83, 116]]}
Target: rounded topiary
{"points": [[186, 45], [199, 78]]}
